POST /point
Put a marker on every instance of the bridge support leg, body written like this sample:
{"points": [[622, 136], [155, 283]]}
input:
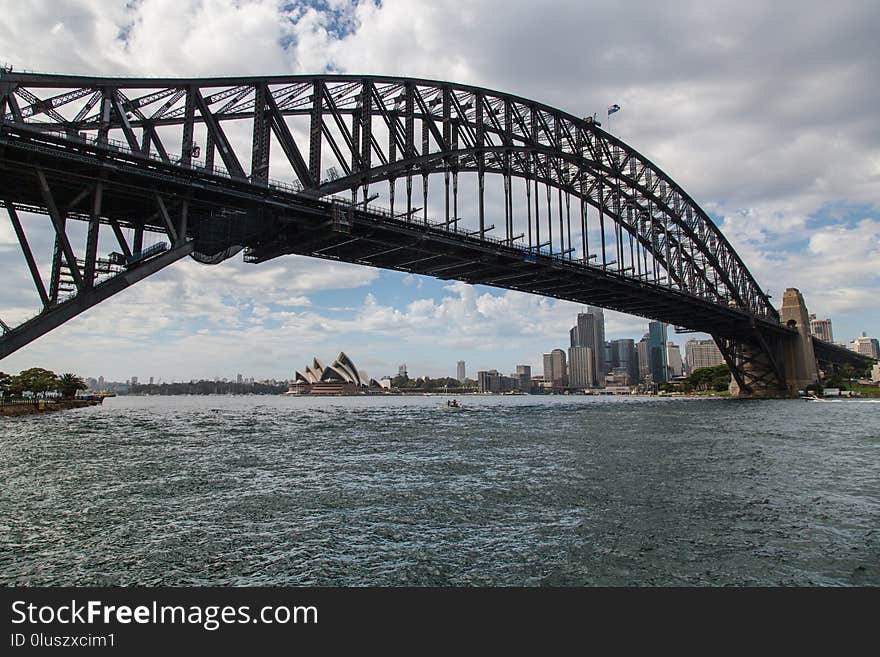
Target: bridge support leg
{"points": [[755, 365], [799, 357]]}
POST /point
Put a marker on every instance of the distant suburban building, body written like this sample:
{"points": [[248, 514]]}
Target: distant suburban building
{"points": [[821, 328], [866, 346], [674, 365], [460, 373], [581, 367], [702, 353]]}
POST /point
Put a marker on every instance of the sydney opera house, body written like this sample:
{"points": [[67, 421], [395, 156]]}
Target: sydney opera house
{"points": [[341, 377]]}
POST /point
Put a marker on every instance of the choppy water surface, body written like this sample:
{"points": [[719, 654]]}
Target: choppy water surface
{"points": [[564, 491]]}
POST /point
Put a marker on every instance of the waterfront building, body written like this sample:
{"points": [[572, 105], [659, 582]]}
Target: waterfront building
{"points": [[460, 373], [341, 377], [657, 351], [821, 328], [492, 381], [674, 366], [702, 353], [581, 364], [590, 332], [875, 373], [866, 346], [401, 370]]}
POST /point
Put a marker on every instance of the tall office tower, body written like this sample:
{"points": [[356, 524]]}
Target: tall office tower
{"points": [[702, 353], [524, 374], [548, 368], [821, 328], [674, 365], [643, 358], [239, 378], [657, 350], [134, 380], [580, 367], [623, 356], [590, 332], [554, 369], [460, 373], [401, 370]]}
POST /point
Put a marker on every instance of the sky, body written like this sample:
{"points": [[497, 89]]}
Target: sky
{"points": [[767, 114]]}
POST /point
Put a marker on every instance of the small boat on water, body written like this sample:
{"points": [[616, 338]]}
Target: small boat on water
{"points": [[452, 403]]}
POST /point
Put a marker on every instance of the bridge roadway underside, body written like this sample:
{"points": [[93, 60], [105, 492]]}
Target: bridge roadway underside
{"points": [[272, 222]]}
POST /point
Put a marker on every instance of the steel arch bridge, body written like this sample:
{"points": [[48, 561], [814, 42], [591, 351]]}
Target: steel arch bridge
{"points": [[522, 196]]}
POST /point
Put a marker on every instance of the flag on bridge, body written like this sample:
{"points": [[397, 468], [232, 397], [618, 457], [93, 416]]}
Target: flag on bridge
{"points": [[614, 108]]}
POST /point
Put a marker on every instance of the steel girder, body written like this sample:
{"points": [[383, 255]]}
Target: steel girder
{"points": [[461, 129], [589, 203]]}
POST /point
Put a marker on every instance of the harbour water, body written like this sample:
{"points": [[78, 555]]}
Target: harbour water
{"points": [[519, 490]]}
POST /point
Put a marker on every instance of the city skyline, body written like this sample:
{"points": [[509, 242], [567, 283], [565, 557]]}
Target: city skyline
{"points": [[805, 215]]}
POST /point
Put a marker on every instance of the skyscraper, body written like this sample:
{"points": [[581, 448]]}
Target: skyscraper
{"points": [[460, 373], [524, 374], [623, 356], [673, 360], [555, 369], [657, 351], [643, 358], [590, 332], [580, 367]]}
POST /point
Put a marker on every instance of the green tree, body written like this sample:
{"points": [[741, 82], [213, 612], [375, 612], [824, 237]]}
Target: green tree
{"points": [[68, 384], [36, 380]]}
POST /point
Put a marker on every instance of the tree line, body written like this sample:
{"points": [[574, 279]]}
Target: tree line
{"points": [[206, 388], [38, 381]]}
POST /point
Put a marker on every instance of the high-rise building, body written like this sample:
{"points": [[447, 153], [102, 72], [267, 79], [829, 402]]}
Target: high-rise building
{"points": [[821, 328], [590, 332], [702, 353], [657, 351], [624, 356], [674, 365], [134, 380], [554, 369], [866, 346], [460, 373], [581, 363], [401, 370], [524, 375], [151, 380], [238, 378], [643, 359]]}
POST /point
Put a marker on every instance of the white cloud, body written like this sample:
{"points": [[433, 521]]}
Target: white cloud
{"points": [[766, 114]]}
